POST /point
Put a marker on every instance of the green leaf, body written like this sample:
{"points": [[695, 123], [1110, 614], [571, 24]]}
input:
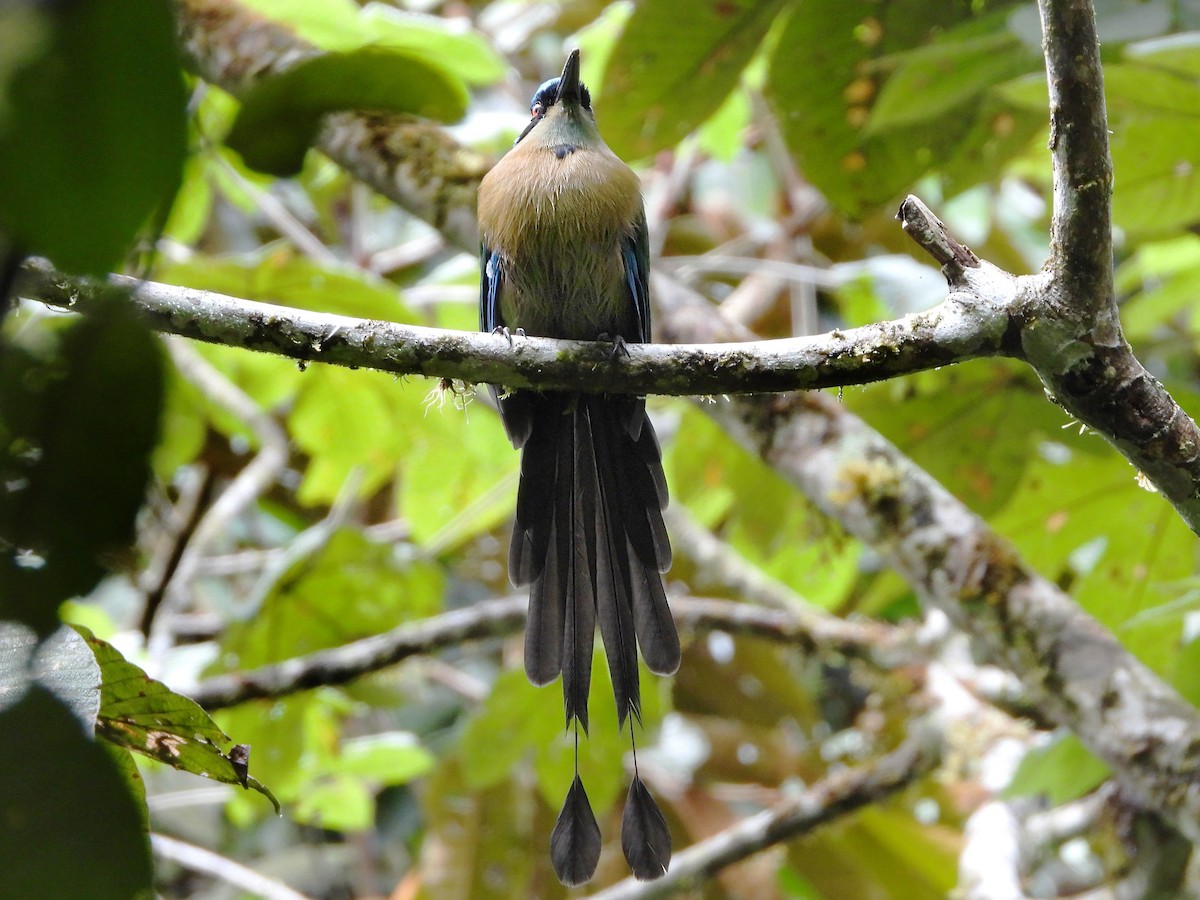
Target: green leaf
{"points": [[668, 73], [77, 426], [346, 421], [329, 24], [337, 802], [92, 128], [69, 826], [1161, 281], [280, 276], [1177, 52], [824, 100], [339, 25], [933, 80], [1081, 519], [349, 588], [514, 707], [390, 758], [1062, 771], [442, 41], [144, 715], [280, 116], [294, 737], [1157, 160], [460, 477]]}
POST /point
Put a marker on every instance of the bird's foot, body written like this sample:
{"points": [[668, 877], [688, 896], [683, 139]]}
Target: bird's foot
{"points": [[503, 330], [619, 348]]}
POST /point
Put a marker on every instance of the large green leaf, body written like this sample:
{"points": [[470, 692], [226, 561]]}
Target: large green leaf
{"points": [[69, 826], [340, 25], [280, 115], [92, 129], [932, 80], [1082, 520], [77, 424], [827, 75], [670, 72], [144, 715]]}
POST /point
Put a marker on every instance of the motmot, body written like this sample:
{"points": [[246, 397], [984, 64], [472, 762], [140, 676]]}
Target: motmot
{"points": [[565, 254]]}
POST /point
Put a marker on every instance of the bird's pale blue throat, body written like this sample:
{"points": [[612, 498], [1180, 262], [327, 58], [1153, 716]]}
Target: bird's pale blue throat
{"points": [[565, 255]]}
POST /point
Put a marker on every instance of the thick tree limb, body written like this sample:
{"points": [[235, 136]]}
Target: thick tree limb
{"points": [[951, 332], [413, 163], [1072, 667]]}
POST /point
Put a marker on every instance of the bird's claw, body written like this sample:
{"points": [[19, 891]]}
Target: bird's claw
{"points": [[503, 330], [619, 348]]}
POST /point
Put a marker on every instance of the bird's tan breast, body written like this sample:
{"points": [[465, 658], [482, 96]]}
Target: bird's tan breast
{"points": [[544, 195]]}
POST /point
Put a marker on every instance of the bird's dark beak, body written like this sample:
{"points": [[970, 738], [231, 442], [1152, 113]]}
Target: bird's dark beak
{"points": [[568, 84]]}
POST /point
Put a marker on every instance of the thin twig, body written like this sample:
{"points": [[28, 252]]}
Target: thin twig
{"points": [[257, 476], [198, 859], [828, 799]]}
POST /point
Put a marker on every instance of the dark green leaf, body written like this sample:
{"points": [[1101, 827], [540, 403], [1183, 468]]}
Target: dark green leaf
{"points": [[668, 73], [69, 826], [92, 135], [76, 429], [280, 116], [935, 79], [144, 715]]}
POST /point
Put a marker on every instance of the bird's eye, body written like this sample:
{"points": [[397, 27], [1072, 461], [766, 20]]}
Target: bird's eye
{"points": [[537, 111]]}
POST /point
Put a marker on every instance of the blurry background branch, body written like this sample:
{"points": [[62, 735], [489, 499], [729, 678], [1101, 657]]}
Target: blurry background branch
{"points": [[804, 627]]}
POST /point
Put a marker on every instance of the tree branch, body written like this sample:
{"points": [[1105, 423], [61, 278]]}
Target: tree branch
{"points": [[1063, 321], [951, 332], [828, 799], [1073, 668], [413, 163], [1081, 224], [811, 630], [198, 859]]}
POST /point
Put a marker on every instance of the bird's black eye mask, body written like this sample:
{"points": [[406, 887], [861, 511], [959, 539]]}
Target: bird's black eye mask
{"points": [[544, 98]]}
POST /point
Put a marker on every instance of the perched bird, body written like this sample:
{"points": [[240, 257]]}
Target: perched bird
{"points": [[565, 255]]}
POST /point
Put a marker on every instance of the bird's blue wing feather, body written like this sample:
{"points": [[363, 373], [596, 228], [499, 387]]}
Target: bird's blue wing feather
{"points": [[516, 409], [489, 290], [635, 253]]}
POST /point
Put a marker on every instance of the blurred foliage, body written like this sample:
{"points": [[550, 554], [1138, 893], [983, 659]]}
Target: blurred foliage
{"points": [[767, 131]]}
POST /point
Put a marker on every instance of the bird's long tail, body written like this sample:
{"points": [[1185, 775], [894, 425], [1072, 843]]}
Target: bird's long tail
{"points": [[591, 543]]}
